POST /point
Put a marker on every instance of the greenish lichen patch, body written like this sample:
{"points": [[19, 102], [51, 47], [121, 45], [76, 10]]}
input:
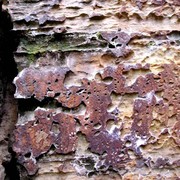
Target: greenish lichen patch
{"points": [[31, 57], [68, 42]]}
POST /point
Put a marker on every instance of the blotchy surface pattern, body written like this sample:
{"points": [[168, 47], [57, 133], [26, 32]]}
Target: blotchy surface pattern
{"points": [[101, 126], [98, 89]]}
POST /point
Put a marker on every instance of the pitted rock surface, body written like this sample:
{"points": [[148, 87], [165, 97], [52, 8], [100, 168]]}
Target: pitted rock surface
{"points": [[98, 88], [37, 134]]}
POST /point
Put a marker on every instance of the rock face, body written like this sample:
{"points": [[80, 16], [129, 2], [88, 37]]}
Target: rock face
{"points": [[8, 105], [98, 89]]}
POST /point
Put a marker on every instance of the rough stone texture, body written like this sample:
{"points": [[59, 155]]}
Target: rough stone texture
{"points": [[98, 88], [8, 105]]}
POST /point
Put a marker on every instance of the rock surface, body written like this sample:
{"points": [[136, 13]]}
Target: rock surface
{"points": [[98, 89], [8, 105]]}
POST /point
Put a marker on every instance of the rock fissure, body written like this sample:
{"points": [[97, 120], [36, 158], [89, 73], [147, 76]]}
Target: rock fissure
{"points": [[8, 105]]}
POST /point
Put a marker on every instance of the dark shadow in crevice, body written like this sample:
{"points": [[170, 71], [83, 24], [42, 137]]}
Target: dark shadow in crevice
{"points": [[11, 170], [31, 104], [8, 70]]}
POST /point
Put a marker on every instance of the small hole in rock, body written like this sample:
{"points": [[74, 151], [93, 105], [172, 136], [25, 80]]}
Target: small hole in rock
{"points": [[118, 45], [55, 128], [97, 126], [139, 122], [27, 155], [111, 46], [96, 133]]}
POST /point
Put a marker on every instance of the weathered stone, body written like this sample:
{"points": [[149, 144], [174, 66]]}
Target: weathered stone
{"points": [[108, 143], [8, 105], [98, 88]]}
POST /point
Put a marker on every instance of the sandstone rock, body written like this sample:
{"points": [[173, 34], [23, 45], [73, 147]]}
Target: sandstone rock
{"points": [[98, 89]]}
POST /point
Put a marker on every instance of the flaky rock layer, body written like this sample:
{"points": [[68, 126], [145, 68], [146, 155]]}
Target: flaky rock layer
{"points": [[98, 88]]}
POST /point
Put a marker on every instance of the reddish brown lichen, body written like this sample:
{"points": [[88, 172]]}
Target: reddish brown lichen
{"points": [[37, 135]]}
